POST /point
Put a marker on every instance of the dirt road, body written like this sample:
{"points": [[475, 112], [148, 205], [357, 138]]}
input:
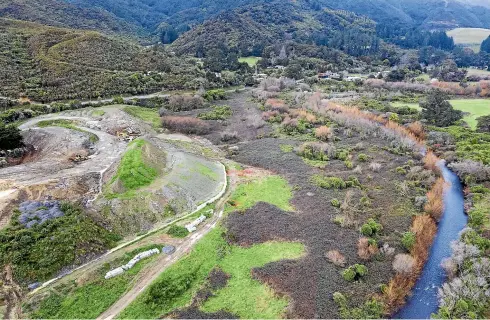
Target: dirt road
{"points": [[152, 273]]}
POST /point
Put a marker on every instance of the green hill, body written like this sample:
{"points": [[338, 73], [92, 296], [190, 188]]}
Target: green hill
{"points": [[47, 63], [249, 29]]}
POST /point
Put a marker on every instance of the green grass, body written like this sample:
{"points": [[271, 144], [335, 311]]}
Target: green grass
{"points": [[252, 61], [92, 298], [244, 296], [476, 108], [97, 113], [274, 190], [148, 115], [205, 171], [68, 124], [133, 172], [469, 36]]}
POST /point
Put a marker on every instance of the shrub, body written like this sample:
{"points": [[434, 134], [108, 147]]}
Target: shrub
{"points": [[394, 117], [272, 116], [355, 272], [185, 125], [342, 155], [335, 203], [328, 182], [177, 231], [185, 103], [316, 151], [218, 113], [118, 100], [435, 200], [292, 126], [335, 257], [374, 166], [417, 129], [348, 164], [323, 133], [363, 157], [408, 240], [216, 94], [438, 111], [10, 137], [401, 170], [229, 136], [404, 263], [371, 228], [367, 248]]}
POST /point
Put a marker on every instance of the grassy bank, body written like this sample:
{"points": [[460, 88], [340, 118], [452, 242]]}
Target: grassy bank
{"points": [[68, 124]]}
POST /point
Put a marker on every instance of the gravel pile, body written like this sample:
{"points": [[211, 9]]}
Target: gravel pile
{"points": [[37, 212]]}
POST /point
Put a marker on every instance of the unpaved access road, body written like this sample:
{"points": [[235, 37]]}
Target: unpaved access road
{"points": [[152, 273]]}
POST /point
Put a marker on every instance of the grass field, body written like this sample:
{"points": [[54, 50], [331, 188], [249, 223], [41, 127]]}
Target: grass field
{"points": [[274, 190], [133, 172], [475, 107], [68, 124], [472, 37], [478, 72], [243, 296], [148, 115], [252, 61]]}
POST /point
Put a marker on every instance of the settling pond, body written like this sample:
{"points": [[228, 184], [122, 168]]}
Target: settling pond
{"points": [[424, 300]]}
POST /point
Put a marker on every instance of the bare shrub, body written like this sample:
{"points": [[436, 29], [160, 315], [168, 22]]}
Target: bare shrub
{"points": [[375, 166], [469, 169], [365, 249], [272, 116], [185, 125], [323, 133], [435, 200], [386, 250], [450, 267], [335, 257], [404, 263], [255, 121], [304, 115], [228, 136], [358, 169], [185, 103]]}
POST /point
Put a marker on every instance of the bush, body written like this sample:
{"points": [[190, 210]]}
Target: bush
{"points": [[401, 170], [328, 182], [216, 94], [10, 137], [348, 164], [118, 100], [323, 133], [294, 126], [185, 103], [367, 248], [185, 125], [167, 289], [218, 113], [408, 240], [177, 231], [355, 272], [335, 257], [403, 263], [363, 157], [316, 151], [438, 111], [335, 203], [371, 228]]}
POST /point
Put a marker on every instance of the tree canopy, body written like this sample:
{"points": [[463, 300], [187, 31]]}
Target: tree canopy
{"points": [[438, 111]]}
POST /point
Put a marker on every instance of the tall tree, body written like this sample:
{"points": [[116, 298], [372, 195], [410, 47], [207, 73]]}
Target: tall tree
{"points": [[485, 45], [438, 111]]}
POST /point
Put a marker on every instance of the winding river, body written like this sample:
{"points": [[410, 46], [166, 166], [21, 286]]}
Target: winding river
{"points": [[424, 300]]}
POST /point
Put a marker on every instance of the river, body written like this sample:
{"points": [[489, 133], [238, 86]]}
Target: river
{"points": [[424, 300]]}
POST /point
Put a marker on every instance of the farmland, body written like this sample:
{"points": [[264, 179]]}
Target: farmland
{"points": [[471, 37]]}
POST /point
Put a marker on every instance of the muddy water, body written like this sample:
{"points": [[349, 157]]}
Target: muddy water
{"points": [[424, 301]]}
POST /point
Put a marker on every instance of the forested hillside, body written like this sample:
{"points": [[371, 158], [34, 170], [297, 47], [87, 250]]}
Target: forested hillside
{"points": [[61, 14], [248, 30], [47, 63]]}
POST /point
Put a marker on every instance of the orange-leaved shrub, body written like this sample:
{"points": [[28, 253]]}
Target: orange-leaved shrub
{"points": [[335, 257], [365, 249], [323, 133], [435, 199]]}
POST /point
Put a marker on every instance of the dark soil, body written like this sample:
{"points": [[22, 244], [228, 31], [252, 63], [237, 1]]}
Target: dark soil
{"points": [[243, 121], [312, 280]]}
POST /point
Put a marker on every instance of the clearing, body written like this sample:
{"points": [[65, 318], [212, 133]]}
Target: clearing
{"points": [[470, 37], [252, 61]]}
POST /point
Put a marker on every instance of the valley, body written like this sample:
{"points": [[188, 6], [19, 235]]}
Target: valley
{"points": [[251, 159]]}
